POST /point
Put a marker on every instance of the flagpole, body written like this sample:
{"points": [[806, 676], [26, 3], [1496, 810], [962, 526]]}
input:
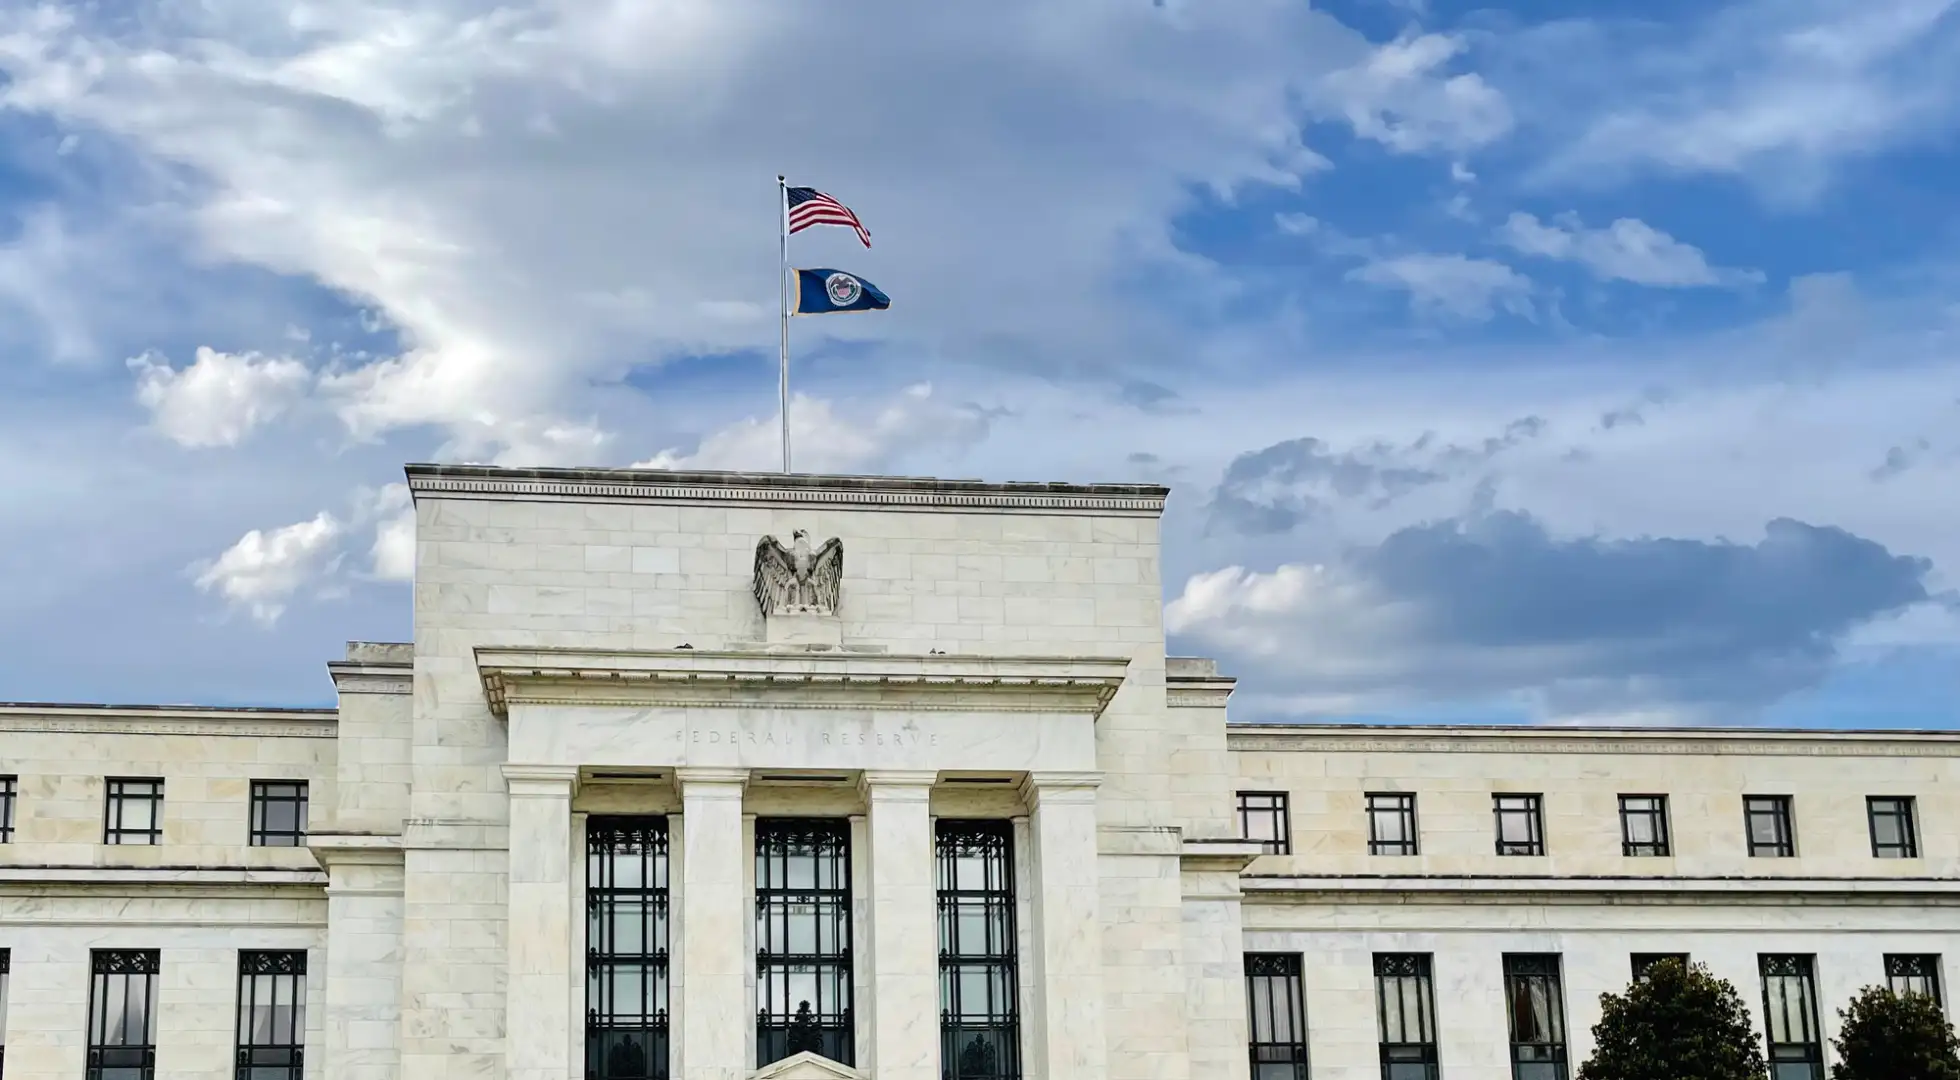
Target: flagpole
{"points": [[782, 387]]}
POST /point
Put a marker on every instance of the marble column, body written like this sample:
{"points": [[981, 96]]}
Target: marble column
{"points": [[904, 928], [1066, 1040], [719, 1022], [538, 996]]}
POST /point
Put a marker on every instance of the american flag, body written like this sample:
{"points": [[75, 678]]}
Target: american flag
{"points": [[808, 206]]}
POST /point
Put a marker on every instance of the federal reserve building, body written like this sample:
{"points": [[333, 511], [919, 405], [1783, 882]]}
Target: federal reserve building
{"points": [[717, 776]]}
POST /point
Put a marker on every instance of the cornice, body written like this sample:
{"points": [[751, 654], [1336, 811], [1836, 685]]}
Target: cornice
{"points": [[1219, 855], [1706, 742], [169, 720], [357, 678], [767, 489], [368, 849], [712, 679], [112, 877], [1524, 888], [1198, 692]]}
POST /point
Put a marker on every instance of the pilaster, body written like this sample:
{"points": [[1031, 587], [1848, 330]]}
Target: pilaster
{"points": [[1067, 1038], [538, 995], [904, 934], [718, 1025]]}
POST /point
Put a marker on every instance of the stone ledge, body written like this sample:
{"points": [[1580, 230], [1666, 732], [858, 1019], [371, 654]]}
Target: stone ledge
{"points": [[775, 489], [1767, 742], [678, 678], [1525, 888], [159, 875]]}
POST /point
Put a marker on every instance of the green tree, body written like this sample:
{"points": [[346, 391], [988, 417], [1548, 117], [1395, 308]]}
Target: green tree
{"points": [[1888, 1036], [1676, 1023]]}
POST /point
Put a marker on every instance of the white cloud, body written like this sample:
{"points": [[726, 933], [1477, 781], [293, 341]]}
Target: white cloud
{"points": [[392, 555], [265, 568], [220, 398], [822, 441], [1627, 250], [1399, 97], [1778, 90], [1451, 284]]}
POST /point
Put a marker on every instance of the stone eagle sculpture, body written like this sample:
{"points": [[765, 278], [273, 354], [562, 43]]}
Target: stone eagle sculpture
{"points": [[796, 581]]}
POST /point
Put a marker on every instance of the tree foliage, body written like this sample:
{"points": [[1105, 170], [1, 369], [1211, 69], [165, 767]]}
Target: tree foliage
{"points": [[1888, 1036], [1678, 1023]]}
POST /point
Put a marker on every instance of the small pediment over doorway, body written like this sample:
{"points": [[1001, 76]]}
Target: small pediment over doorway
{"points": [[807, 1066]]}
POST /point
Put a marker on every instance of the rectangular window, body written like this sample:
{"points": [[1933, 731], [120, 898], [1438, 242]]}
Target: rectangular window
{"points": [[1909, 974], [122, 1014], [1391, 823], [1405, 1008], [1772, 834], [6, 975], [278, 813], [1262, 817], [1643, 825], [803, 939], [9, 793], [1796, 1049], [1537, 1003], [1643, 962], [271, 1015], [1276, 1009], [979, 1009], [1520, 824], [1894, 833], [133, 812], [626, 950]]}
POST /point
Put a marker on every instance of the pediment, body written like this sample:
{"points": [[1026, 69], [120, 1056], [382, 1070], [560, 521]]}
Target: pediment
{"points": [[807, 1066]]}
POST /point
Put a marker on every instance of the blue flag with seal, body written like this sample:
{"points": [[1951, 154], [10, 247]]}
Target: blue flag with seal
{"points": [[826, 292]]}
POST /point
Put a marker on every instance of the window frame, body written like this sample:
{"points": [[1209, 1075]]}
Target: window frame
{"points": [[1280, 812], [1521, 972], [9, 806], [1279, 974], [1641, 963], [1403, 810], [996, 1027], [637, 844], [1533, 812], [263, 797], [1662, 846], [826, 1028], [117, 792], [281, 969], [6, 991], [136, 969], [1898, 977], [1402, 1058], [1802, 968], [1780, 809], [1904, 810]]}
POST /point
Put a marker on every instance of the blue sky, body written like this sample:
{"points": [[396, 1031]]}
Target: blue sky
{"points": [[1550, 362]]}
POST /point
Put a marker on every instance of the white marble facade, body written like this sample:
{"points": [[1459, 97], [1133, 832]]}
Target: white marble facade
{"points": [[590, 643]]}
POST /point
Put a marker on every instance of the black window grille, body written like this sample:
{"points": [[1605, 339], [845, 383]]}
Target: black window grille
{"points": [[803, 939], [979, 1010], [1405, 1007], [1391, 823], [1537, 1004], [1895, 835], [1276, 1009], [1263, 817], [1520, 824], [1796, 1048], [133, 812], [1643, 963], [1914, 974], [278, 813], [271, 1015], [9, 794], [6, 976], [122, 1014], [1772, 833], [1643, 826], [626, 948]]}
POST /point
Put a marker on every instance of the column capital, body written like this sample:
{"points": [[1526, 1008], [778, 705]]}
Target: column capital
{"points": [[1057, 787], [704, 780], [541, 781], [897, 783]]}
